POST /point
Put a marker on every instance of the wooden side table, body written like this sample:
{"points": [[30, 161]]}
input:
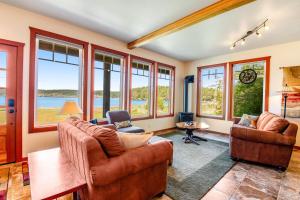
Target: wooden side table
{"points": [[190, 137], [52, 175]]}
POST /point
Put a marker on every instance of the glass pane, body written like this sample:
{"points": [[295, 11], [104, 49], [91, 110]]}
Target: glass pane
{"points": [[2, 78], [56, 84], [98, 92], [164, 96], [115, 91], [2, 119], [3, 59], [140, 98], [248, 98], [212, 90]]}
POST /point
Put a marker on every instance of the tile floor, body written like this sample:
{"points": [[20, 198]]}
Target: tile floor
{"points": [[243, 181]]}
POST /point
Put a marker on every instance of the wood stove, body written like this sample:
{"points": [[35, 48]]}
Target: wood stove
{"points": [[187, 115]]}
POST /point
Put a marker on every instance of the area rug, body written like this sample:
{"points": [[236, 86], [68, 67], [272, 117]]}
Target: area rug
{"points": [[196, 168], [4, 177]]}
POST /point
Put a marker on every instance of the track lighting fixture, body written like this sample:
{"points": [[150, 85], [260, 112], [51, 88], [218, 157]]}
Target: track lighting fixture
{"points": [[257, 30]]}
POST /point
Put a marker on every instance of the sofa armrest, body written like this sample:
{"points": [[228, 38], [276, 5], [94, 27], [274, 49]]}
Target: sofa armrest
{"points": [[130, 162], [291, 130], [236, 120], [110, 126], [254, 135]]}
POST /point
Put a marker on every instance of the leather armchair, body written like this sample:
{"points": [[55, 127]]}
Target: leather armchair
{"points": [[119, 116]]}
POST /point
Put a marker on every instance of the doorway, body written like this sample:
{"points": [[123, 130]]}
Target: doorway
{"points": [[11, 61]]}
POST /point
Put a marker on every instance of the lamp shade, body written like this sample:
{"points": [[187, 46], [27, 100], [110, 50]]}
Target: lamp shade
{"points": [[70, 108]]}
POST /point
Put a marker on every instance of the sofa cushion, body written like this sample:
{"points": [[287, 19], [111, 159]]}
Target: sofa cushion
{"points": [[131, 129], [270, 122], [263, 119], [276, 124], [132, 140], [108, 138]]}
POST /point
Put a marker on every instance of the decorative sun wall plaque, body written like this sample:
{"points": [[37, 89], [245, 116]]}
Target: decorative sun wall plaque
{"points": [[248, 76]]}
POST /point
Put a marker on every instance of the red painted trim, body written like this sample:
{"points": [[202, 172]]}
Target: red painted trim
{"points": [[267, 83], [224, 65], [152, 79], [172, 108], [24, 159], [19, 96], [111, 51], [33, 33]]}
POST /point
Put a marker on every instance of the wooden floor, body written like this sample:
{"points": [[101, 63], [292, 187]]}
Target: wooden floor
{"points": [[243, 181]]}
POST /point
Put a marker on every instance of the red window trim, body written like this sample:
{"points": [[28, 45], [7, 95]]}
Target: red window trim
{"points": [[19, 104], [267, 83], [115, 52], [152, 81], [33, 34], [173, 69], [224, 65]]}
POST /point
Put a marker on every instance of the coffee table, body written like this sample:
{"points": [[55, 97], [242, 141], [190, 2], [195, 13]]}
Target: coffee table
{"points": [[190, 137]]}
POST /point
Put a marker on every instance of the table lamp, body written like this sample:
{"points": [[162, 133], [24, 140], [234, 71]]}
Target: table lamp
{"points": [[70, 108]]}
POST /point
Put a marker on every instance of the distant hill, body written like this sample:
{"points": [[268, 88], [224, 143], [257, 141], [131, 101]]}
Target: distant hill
{"points": [[137, 93]]}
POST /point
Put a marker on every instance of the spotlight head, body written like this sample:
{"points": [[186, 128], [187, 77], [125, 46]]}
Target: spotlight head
{"points": [[233, 46], [243, 41], [258, 34]]}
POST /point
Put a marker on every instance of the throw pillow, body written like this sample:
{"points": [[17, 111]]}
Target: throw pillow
{"points": [[108, 139], [248, 120], [276, 124], [133, 140], [123, 124]]}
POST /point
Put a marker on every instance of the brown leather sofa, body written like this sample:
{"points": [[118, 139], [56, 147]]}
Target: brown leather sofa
{"points": [[137, 174], [264, 144]]}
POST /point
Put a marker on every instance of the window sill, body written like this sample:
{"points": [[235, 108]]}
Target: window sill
{"points": [[211, 117], [164, 116], [142, 118], [42, 129]]}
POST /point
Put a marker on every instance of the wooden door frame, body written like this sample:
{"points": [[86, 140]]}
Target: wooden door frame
{"points": [[19, 99]]}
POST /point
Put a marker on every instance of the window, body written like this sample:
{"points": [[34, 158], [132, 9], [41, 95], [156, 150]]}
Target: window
{"points": [[165, 90], [249, 98], [57, 75], [141, 93], [108, 81], [211, 92]]}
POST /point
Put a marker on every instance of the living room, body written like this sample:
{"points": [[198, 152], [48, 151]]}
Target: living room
{"points": [[157, 61]]}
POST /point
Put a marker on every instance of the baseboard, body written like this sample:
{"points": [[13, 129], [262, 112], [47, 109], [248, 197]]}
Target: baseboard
{"points": [[25, 159], [297, 147], [164, 130]]}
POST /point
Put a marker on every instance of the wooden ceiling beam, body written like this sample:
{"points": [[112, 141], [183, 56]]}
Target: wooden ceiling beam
{"points": [[198, 16]]}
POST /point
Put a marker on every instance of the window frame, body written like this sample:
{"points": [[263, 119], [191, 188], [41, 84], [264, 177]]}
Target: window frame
{"points": [[198, 109], [152, 81], [172, 106], [34, 33], [267, 59], [125, 56]]}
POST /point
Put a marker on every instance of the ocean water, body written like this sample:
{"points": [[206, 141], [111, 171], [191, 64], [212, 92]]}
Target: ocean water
{"points": [[54, 102]]}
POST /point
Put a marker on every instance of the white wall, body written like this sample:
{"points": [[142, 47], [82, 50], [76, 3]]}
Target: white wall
{"points": [[282, 55], [15, 22]]}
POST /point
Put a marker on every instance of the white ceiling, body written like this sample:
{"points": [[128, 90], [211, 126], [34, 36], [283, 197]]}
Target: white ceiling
{"points": [[127, 20]]}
